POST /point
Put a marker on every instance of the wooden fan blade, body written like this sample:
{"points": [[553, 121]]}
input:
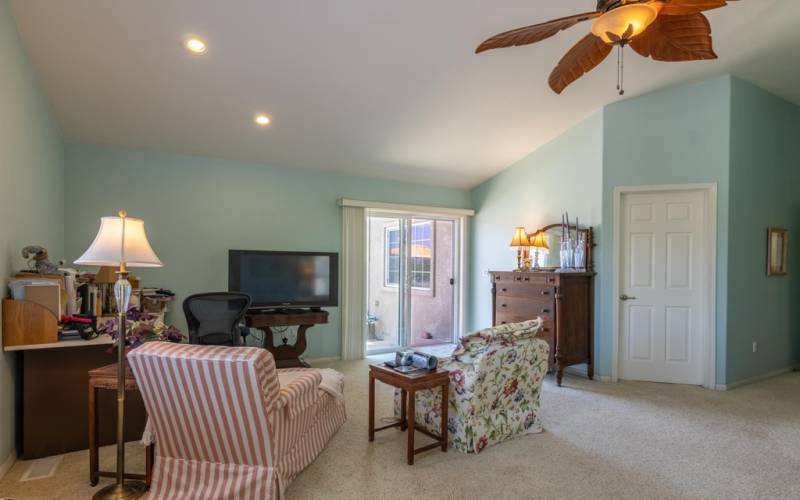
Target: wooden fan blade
{"points": [[676, 38], [581, 59], [683, 7], [535, 33]]}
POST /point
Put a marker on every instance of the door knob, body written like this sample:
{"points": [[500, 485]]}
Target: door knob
{"points": [[626, 297]]}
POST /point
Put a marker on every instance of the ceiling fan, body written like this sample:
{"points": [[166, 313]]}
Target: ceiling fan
{"points": [[666, 30]]}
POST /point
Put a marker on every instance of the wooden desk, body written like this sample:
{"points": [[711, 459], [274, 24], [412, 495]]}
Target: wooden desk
{"points": [[105, 377], [62, 344], [52, 400], [409, 384], [286, 356]]}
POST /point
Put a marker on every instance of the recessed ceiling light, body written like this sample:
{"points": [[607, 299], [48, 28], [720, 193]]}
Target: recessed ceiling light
{"points": [[262, 120], [195, 45]]}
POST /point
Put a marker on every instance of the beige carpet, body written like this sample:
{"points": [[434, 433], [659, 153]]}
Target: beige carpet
{"points": [[628, 440]]}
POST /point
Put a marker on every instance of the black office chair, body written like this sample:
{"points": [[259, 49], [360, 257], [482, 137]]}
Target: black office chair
{"points": [[213, 318]]}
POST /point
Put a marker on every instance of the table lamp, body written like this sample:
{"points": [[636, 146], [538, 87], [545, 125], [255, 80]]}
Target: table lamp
{"points": [[121, 242], [520, 242], [539, 244]]}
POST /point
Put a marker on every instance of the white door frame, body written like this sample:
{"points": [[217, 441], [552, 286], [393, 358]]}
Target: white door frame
{"points": [[709, 354]]}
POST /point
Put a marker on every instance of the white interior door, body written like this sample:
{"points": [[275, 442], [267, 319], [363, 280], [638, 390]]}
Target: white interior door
{"points": [[663, 286]]}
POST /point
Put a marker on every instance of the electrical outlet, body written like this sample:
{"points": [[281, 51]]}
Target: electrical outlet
{"points": [[485, 273], [755, 346]]}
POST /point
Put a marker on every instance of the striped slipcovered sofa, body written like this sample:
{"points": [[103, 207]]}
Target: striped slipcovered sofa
{"points": [[224, 426]]}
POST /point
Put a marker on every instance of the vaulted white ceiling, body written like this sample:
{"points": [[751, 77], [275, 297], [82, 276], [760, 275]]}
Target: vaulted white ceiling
{"points": [[368, 87]]}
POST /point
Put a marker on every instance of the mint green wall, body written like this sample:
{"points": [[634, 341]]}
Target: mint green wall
{"points": [[563, 175], [765, 178], [675, 136], [195, 209], [31, 185]]}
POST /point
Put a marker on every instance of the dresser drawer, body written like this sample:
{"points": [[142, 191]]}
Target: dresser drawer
{"points": [[507, 319], [540, 279], [525, 306], [523, 309], [525, 291]]}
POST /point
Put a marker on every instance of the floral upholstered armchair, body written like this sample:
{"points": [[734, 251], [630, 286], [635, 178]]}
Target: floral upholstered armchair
{"points": [[496, 377]]}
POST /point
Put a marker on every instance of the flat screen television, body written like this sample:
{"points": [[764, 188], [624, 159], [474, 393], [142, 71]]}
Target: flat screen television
{"points": [[285, 279]]}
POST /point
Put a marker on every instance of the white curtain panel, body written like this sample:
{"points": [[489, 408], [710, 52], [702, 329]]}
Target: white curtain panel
{"points": [[354, 316]]}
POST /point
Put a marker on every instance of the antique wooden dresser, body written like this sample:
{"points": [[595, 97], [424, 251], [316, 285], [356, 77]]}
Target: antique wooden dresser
{"points": [[564, 300]]}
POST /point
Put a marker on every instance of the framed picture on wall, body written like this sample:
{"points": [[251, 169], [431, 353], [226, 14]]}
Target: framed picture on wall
{"points": [[777, 251]]}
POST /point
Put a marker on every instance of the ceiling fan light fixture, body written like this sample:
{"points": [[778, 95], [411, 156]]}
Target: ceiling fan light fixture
{"points": [[617, 21]]}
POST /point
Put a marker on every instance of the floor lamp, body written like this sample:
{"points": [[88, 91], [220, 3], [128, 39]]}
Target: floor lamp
{"points": [[121, 241]]}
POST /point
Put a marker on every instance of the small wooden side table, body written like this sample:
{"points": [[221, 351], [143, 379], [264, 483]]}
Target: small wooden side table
{"points": [[409, 384], [105, 377]]}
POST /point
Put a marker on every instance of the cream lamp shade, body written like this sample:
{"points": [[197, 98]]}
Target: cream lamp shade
{"points": [[617, 21], [540, 241], [120, 240], [520, 239]]}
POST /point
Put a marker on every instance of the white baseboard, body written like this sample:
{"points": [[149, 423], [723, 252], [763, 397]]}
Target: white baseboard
{"points": [[8, 463], [581, 371], [757, 378], [322, 360]]}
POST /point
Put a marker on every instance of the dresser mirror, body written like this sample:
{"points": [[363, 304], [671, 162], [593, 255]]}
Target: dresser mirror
{"points": [[549, 259]]}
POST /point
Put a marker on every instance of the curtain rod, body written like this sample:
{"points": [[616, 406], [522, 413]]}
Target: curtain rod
{"points": [[346, 202]]}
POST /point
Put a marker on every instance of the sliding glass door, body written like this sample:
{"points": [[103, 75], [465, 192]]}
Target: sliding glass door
{"points": [[384, 304], [411, 281], [431, 282]]}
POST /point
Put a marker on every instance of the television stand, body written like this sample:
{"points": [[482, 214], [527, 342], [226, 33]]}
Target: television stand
{"points": [[286, 356]]}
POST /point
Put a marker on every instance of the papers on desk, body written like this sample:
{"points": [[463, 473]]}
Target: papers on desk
{"points": [[39, 290], [17, 286], [43, 291]]}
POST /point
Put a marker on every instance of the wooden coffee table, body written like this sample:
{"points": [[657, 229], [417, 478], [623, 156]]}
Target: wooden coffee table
{"points": [[409, 384]]}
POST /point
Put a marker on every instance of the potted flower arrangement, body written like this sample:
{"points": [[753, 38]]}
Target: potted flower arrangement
{"points": [[141, 327]]}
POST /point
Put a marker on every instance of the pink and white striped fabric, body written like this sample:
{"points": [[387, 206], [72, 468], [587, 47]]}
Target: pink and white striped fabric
{"points": [[224, 427]]}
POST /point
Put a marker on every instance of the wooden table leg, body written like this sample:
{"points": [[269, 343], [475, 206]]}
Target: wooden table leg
{"points": [[403, 399], [94, 466], [411, 412], [445, 401], [371, 407], [149, 458]]}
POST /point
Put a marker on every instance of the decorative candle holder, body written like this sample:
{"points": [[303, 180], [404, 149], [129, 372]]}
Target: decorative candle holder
{"points": [[579, 253], [566, 254]]}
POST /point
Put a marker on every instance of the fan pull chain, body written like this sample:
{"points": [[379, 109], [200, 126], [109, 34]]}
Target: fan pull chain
{"points": [[621, 69]]}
